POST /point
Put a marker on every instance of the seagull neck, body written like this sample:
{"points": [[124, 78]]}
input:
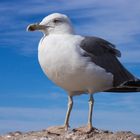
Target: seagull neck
{"points": [[45, 35]]}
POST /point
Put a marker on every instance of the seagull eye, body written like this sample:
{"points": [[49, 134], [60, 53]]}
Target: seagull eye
{"points": [[56, 21]]}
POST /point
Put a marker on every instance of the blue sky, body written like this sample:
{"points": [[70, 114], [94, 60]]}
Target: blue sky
{"points": [[28, 100]]}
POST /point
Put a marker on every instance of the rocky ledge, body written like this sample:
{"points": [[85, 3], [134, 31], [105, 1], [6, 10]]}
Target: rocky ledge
{"points": [[52, 133]]}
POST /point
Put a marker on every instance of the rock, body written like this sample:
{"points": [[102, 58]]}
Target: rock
{"points": [[54, 133]]}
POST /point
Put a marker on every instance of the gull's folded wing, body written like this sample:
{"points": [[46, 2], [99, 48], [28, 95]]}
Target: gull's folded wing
{"points": [[104, 54]]}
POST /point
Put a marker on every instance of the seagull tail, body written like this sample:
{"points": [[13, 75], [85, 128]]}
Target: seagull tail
{"points": [[129, 86]]}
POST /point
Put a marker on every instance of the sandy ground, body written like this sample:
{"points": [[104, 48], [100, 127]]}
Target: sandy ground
{"points": [[53, 133]]}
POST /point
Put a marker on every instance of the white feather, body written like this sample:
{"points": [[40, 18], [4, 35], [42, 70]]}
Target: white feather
{"points": [[60, 57], [61, 60]]}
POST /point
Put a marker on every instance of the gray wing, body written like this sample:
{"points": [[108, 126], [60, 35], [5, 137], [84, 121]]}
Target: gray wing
{"points": [[104, 54]]}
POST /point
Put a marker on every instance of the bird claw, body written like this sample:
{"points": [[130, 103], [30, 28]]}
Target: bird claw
{"points": [[58, 129], [63, 127], [85, 129]]}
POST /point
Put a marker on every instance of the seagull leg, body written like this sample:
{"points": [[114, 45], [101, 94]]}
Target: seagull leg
{"points": [[91, 103], [70, 105], [88, 128], [61, 129]]}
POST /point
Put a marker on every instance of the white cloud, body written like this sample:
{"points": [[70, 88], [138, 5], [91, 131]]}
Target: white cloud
{"points": [[25, 119], [117, 21], [131, 56]]}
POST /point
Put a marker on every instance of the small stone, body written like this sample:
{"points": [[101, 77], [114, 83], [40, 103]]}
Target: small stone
{"points": [[8, 136], [43, 138]]}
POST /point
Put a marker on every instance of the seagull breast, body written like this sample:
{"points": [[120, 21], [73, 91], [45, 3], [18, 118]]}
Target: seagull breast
{"points": [[61, 60]]}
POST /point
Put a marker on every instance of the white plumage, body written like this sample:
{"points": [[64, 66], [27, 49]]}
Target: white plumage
{"points": [[78, 64], [61, 59]]}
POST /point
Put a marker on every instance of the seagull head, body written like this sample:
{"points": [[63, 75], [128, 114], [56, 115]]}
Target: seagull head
{"points": [[53, 24]]}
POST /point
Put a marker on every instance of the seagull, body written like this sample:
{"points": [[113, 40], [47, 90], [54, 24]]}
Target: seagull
{"points": [[80, 64]]}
